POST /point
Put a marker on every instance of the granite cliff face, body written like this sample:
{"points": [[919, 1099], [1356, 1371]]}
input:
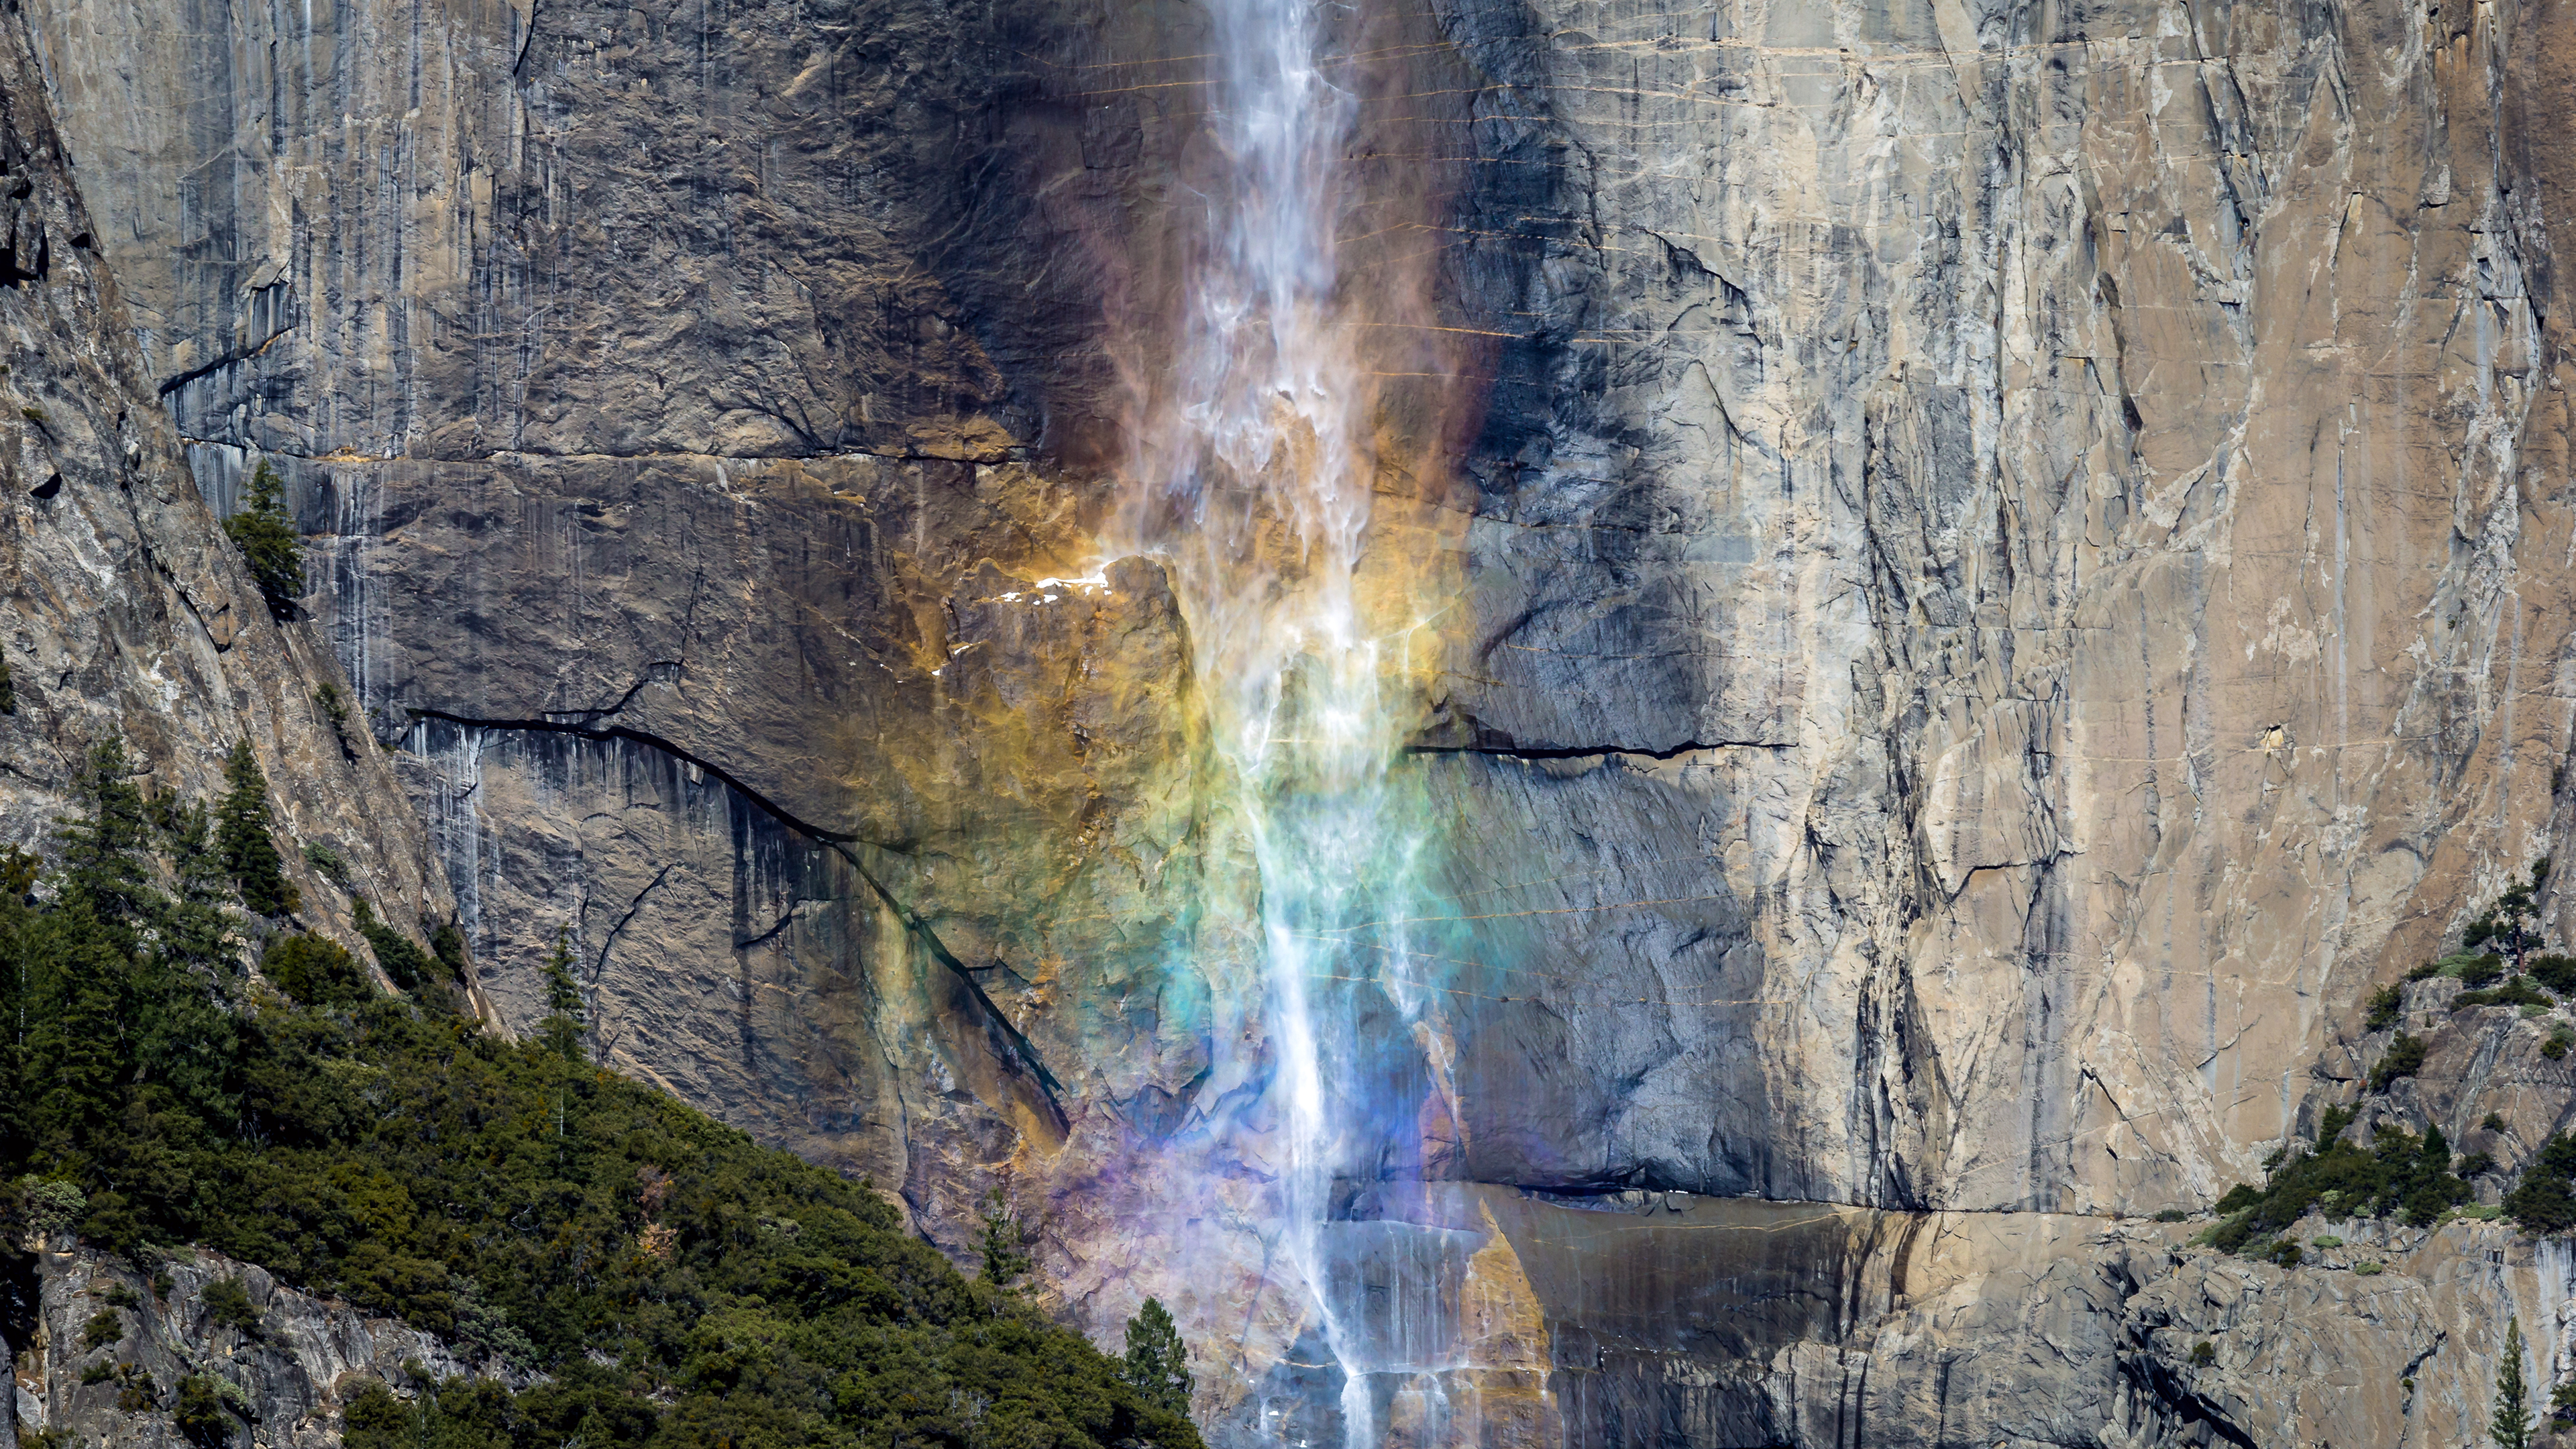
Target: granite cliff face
{"points": [[1991, 571], [128, 612], [291, 1377]]}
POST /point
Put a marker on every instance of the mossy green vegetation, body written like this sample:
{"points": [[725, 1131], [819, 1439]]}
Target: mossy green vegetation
{"points": [[676, 1285], [2398, 1173]]}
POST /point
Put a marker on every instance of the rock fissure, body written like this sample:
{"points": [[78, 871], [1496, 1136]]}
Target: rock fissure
{"points": [[600, 967], [172, 384], [1594, 752]]}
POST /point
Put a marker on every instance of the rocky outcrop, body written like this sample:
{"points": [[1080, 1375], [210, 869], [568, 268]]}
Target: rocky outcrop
{"points": [[127, 612], [284, 1379]]}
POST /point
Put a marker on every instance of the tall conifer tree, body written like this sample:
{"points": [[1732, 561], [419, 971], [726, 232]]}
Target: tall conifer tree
{"points": [[2511, 1427], [244, 835], [1157, 1364]]}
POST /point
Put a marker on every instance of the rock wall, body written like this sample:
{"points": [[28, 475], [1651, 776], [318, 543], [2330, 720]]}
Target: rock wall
{"points": [[2056, 514], [124, 611], [2032, 515], [1997, 568], [292, 1377]]}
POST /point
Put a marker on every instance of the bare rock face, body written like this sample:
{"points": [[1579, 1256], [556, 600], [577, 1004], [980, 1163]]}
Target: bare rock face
{"points": [[284, 1380], [127, 612], [2055, 516]]}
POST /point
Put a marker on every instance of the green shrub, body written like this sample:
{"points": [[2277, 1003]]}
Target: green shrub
{"points": [[327, 863], [316, 971], [2385, 1005], [2284, 1253], [8, 690], [2203, 1354], [103, 1328], [2557, 974], [2397, 1174], [2368, 1270], [2172, 1215], [409, 967], [2494, 1122], [2326, 1240], [265, 533], [2472, 968], [203, 1412], [2558, 1043], [49, 1205], [228, 1305], [2544, 1201], [2516, 991], [2405, 1058], [447, 943]]}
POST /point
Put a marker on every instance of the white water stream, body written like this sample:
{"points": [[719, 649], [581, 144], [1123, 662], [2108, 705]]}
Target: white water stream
{"points": [[1253, 478]]}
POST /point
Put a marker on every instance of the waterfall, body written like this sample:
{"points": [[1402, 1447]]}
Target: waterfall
{"points": [[1251, 476]]}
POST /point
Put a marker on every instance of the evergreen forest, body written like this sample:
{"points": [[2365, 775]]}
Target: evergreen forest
{"points": [[651, 1276]]}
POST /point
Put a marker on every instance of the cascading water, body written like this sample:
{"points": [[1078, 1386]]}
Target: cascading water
{"points": [[1253, 475]]}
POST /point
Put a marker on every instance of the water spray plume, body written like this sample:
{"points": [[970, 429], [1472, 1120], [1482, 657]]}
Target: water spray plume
{"points": [[1253, 474]]}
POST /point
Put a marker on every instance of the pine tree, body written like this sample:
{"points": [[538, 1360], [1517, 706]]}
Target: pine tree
{"points": [[103, 866], [1157, 1363], [563, 997], [2511, 1428], [197, 933], [265, 533], [409, 967], [1004, 1243], [244, 838], [2511, 927]]}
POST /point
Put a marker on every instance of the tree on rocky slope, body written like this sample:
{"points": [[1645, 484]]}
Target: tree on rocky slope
{"points": [[563, 999], [1157, 1364], [2511, 1427], [266, 536], [243, 834], [2511, 926]]}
